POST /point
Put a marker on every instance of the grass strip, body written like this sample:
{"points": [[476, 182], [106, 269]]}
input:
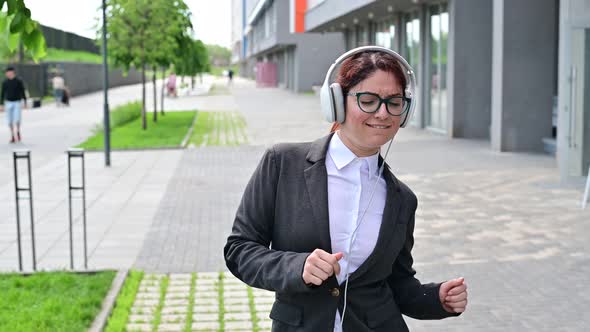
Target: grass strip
{"points": [[219, 128], [158, 313], [169, 131], [51, 301], [253, 313], [191, 304], [120, 315], [221, 304], [241, 122], [226, 123]]}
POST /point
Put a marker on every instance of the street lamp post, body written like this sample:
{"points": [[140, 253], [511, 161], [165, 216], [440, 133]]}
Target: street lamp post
{"points": [[105, 65]]}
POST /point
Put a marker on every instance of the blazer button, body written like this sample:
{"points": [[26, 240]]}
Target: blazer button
{"points": [[335, 292]]}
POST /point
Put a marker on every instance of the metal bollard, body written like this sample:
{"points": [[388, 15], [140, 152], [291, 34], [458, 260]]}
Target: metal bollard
{"points": [[77, 153], [16, 155]]}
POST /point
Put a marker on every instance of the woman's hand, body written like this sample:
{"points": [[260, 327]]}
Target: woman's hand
{"points": [[319, 266], [453, 295]]}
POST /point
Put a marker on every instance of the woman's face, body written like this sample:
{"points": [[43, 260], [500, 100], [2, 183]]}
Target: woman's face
{"points": [[364, 133]]}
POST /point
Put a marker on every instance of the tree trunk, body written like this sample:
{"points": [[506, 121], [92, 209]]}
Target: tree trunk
{"points": [[143, 115], [192, 82], [155, 97], [162, 91]]}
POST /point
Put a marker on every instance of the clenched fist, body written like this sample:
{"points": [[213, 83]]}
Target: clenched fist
{"points": [[319, 266]]}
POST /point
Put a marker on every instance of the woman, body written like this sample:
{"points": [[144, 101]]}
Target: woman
{"points": [[341, 226]]}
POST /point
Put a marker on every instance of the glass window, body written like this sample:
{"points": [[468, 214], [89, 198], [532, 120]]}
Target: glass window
{"points": [[411, 51], [362, 35], [385, 34], [439, 30]]}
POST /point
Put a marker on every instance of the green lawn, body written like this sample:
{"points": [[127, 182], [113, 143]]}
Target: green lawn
{"points": [[167, 132], [54, 54], [57, 301]]}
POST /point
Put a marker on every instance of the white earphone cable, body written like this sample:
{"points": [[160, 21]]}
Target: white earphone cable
{"points": [[358, 224]]}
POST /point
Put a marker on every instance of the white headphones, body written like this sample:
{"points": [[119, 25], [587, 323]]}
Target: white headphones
{"points": [[332, 98]]}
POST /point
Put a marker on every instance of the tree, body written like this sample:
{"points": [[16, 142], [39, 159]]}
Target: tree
{"points": [[16, 26], [143, 33], [174, 24], [219, 55], [192, 58]]}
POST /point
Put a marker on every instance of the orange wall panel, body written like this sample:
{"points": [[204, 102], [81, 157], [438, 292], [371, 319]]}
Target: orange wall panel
{"points": [[300, 8]]}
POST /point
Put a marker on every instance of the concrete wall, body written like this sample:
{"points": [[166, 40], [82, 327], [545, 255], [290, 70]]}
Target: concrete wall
{"points": [[314, 55], [84, 78], [470, 68], [523, 73], [80, 78], [331, 9]]}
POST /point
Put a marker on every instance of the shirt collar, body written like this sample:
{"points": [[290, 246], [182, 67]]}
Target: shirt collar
{"points": [[342, 156]]}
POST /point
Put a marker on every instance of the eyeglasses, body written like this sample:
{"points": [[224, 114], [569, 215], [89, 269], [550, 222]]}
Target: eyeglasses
{"points": [[370, 102]]}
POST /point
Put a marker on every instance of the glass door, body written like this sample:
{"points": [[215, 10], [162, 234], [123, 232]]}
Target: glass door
{"points": [[579, 117]]}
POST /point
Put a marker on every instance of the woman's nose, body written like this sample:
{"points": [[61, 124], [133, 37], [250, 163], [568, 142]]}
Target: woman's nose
{"points": [[382, 112]]}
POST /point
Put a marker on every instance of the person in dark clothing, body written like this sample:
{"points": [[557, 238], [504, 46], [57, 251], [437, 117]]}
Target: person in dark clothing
{"points": [[230, 76], [11, 96]]}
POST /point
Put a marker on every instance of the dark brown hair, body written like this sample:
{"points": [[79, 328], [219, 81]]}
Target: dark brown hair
{"points": [[361, 65]]}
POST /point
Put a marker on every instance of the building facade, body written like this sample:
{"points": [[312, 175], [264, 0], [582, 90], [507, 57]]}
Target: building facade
{"points": [[273, 48], [515, 73]]}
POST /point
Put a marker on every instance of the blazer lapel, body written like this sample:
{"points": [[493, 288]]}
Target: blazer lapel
{"points": [[389, 222], [316, 180]]}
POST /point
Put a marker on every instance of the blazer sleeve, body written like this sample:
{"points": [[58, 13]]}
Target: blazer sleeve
{"points": [[247, 253], [417, 300]]}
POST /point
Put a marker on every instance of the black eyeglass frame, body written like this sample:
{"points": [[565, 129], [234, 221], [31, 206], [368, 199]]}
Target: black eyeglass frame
{"points": [[407, 100]]}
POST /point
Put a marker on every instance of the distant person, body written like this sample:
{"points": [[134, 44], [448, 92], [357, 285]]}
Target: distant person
{"points": [[65, 98], [230, 76], [59, 86], [11, 97], [171, 85]]}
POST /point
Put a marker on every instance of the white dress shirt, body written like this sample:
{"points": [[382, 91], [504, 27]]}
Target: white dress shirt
{"points": [[351, 180]]}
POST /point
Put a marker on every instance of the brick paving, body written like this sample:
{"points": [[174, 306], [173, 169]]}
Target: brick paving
{"points": [[502, 220], [199, 302]]}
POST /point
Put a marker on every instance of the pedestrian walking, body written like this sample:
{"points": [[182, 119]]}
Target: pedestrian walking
{"points": [[59, 86], [171, 85], [11, 97], [327, 225], [230, 76]]}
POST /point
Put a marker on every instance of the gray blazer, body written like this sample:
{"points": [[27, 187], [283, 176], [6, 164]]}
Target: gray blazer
{"points": [[285, 206]]}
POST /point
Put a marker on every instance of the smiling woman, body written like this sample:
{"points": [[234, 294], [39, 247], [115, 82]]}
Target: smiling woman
{"points": [[339, 221]]}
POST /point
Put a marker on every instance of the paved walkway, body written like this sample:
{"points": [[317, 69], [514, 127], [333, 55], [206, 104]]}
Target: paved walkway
{"points": [[500, 219], [121, 200]]}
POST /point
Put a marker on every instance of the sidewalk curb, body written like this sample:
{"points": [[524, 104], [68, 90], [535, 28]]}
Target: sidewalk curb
{"points": [[109, 302], [190, 132]]}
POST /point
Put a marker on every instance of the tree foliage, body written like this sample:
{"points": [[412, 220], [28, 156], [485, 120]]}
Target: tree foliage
{"points": [[219, 55], [16, 25], [192, 58], [146, 33]]}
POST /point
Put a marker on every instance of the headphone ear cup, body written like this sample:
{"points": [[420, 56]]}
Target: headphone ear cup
{"points": [[327, 103], [409, 110], [338, 103]]}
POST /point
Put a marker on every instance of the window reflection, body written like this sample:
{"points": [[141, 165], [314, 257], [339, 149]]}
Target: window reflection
{"points": [[439, 30], [385, 34], [411, 50]]}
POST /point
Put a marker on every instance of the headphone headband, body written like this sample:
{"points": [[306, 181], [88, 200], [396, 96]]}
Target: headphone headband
{"points": [[331, 96]]}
